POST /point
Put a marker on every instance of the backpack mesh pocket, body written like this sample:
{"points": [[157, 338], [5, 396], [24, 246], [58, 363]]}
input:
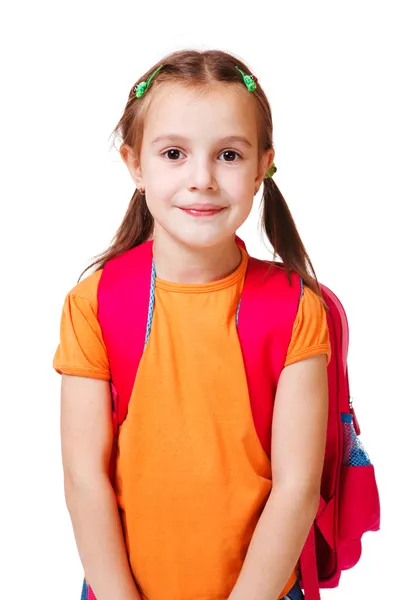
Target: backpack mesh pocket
{"points": [[354, 454]]}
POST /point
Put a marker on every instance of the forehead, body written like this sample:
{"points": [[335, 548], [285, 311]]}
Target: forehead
{"points": [[217, 110]]}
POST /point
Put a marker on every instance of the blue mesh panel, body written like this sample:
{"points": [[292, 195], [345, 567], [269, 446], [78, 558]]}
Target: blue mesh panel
{"points": [[354, 454]]}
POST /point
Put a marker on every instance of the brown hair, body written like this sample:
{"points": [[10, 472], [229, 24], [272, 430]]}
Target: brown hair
{"points": [[197, 69]]}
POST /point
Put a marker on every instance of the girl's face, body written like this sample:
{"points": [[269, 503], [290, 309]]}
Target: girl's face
{"points": [[200, 149]]}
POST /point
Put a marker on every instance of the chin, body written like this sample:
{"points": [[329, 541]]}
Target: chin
{"points": [[204, 239], [195, 235], [188, 236]]}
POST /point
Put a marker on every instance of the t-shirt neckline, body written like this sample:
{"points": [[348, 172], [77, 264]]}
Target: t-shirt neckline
{"points": [[198, 288]]}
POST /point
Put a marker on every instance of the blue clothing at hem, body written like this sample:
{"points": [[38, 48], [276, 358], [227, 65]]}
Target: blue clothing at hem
{"points": [[294, 594]]}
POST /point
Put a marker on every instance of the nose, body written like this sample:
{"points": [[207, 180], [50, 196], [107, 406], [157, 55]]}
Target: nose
{"points": [[202, 176]]}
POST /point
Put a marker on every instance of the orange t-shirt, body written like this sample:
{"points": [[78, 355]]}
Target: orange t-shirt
{"points": [[192, 477]]}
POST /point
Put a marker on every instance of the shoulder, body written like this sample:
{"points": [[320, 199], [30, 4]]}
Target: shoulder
{"points": [[310, 330], [87, 289], [309, 303], [81, 350]]}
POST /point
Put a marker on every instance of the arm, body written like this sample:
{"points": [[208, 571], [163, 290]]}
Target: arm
{"points": [[297, 458], [86, 441]]}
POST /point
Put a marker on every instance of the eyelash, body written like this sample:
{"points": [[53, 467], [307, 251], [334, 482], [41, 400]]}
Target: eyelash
{"points": [[228, 150]]}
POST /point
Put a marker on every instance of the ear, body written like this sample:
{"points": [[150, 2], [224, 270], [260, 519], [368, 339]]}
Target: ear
{"points": [[133, 164], [266, 160]]}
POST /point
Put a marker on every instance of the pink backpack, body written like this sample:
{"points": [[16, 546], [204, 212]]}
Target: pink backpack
{"points": [[349, 502]]}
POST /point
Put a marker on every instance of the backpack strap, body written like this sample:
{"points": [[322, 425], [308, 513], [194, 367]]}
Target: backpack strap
{"points": [[268, 309], [123, 304]]}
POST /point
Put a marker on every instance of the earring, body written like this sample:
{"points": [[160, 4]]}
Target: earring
{"points": [[141, 190]]}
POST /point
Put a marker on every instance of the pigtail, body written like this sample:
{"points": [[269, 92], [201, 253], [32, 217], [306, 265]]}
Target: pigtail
{"points": [[280, 229]]}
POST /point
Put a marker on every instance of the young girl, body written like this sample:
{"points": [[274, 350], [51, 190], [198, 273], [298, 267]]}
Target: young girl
{"points": [[195, 515]]}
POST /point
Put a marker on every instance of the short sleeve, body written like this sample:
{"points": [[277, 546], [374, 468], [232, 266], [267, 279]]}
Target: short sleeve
{"points": [[81, 350], [310, 333]]}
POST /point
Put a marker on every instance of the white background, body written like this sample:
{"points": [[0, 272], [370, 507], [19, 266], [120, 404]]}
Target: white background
{"points": [[330, 71]]}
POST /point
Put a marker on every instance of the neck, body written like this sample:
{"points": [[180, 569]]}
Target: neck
{"points": [[179, 263]]}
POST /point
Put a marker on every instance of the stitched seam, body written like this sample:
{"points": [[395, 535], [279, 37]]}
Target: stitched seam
{"points": [[307, 350], [73, 295], [85, 369]]}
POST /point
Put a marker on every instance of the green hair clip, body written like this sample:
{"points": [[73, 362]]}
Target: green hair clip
{"points": [[250, 80], [141, 87], [270, 171]]}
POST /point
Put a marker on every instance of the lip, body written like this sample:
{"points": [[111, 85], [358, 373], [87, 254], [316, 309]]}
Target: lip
{"points": [[203, 212], [202, 207]]}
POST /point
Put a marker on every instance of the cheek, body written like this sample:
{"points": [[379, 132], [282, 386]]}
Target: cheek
{"points": [[153, 203], [240, 190], [162, 185], [243, 205], [240, 183], [159, 204], [245, 209]]}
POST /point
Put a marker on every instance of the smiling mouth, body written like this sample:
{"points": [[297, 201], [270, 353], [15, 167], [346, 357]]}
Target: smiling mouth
{"points": [[197, 212]]}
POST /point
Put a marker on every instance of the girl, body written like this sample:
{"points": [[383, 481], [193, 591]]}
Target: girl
{"points": [[189, 518]]}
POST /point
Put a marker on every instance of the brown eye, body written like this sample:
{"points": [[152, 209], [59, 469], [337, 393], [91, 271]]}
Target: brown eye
{"points": [[228, 155], [172, 154]]}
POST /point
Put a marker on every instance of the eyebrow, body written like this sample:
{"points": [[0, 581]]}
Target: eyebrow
{"points": [[180, 138]]}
